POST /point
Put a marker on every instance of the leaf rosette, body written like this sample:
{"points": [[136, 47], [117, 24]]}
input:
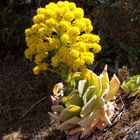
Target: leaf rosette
{"points": [[89, 105], [132, 86]]}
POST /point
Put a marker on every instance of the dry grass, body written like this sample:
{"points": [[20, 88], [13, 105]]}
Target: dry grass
{"points": [[13, 136]]}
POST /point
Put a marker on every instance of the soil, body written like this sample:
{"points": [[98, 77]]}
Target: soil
{"points": [[25, 102]]}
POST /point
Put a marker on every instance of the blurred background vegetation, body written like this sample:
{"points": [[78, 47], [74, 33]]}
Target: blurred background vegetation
{"points": [[116, 21]]}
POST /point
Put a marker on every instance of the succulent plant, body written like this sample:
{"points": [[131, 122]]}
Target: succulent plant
{"points": [[132, 86], [89, 105]]}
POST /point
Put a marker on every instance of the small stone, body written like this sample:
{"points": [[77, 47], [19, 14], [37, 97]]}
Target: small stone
{"points": [[133, 134]]}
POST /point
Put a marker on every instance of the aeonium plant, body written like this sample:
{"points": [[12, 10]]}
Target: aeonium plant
{"points": [[60, 39], [132, 86], [91, 104]]}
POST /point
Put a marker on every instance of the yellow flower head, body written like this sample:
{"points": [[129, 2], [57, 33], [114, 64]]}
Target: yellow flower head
{"points": [[61, 36]]}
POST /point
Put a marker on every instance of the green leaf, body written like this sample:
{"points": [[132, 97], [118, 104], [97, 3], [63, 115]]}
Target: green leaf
{"points": [[67, 104], [57, 108], [94, 80], [75, 91], [69, 112], [88, 107], [75, 77], [126, 87], [66, 99], [134, 93], [132, 86], [91, 78], [75, 99], [88, 94], [98, 104]]}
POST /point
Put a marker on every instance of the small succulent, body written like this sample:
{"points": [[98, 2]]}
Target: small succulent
{"points": [[89, 105], [132, 86]]}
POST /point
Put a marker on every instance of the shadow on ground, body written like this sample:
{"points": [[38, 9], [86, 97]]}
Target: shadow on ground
{"points": [[24, 99]]}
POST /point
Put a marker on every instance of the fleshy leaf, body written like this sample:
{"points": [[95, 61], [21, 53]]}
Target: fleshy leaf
{"points": [[75, 91], [114, 87], [132, 86], [127, 86], [106, 91], [134, 93], [91, 78], [75, 76], [88, 107], [81, 86], [70, 112], [66, 98], [99, 90], [57, 88], [88, 94], [68, 124], [85, 122], [99, 104], [54, 116], [105, 78], [57, 108], [94, 80], [89, 129], [104, 117], [75, 130], [75, 99]]}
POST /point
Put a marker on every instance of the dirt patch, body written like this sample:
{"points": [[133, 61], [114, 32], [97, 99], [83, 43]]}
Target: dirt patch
{"points": [[24, 98]]}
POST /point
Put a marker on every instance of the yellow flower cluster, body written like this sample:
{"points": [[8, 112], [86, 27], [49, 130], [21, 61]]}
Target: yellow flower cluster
{"points": [[61, 34]]}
